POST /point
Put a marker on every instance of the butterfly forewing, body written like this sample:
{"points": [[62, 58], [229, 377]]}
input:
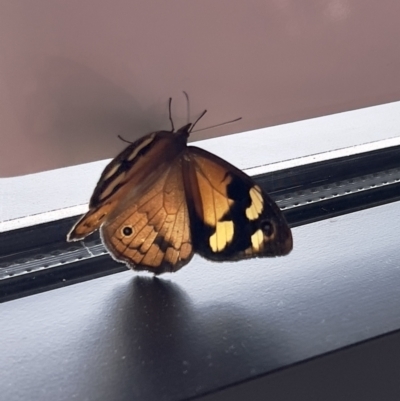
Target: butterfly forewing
{"points": [[127, 176], [231, 217]]}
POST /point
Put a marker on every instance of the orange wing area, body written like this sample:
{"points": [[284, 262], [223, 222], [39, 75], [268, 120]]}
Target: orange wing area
{"points": [[90, 222], [153, 233], [231, 217]]}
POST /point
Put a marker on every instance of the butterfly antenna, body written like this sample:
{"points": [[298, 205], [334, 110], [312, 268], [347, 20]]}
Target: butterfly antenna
{"points": [[170, 114], [201, 116], [213, 126], [187, 106], [124, 140]]}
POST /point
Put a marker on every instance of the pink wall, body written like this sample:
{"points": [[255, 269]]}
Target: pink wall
{"points": [[74, 74]]}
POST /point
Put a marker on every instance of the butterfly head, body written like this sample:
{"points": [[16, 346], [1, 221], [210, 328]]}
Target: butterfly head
{"points": [[184, 131]]}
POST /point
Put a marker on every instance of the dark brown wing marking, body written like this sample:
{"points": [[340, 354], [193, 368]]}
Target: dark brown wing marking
{"points": [[119, 169]]}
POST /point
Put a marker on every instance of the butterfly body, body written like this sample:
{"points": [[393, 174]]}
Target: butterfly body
{"points": [[160, 201]]}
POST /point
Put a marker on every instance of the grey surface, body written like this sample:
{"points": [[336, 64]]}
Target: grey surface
{"points": [[126, 337], [368, 371]]}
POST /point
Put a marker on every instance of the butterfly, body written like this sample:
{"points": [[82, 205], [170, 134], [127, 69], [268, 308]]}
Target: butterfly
{"points": [[160, 201]]}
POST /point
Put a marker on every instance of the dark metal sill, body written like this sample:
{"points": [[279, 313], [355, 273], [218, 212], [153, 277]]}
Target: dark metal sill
{"points": [[37, 258]]}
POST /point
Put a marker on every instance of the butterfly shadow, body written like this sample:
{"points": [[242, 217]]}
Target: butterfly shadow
{"points": [[75, 114], [164, 346]]}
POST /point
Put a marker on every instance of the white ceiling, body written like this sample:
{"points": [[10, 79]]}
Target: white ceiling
{"points": [[75, 74]]}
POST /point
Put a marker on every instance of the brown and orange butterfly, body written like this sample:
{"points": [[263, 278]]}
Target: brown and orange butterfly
{"points": [[160, 201]]}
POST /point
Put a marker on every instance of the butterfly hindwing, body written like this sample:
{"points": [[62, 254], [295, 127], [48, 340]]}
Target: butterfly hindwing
{"points": [[152, 233], [232, 218]]}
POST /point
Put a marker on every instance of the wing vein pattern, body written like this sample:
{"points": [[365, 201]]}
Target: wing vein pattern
{"points": [[153, 232]]}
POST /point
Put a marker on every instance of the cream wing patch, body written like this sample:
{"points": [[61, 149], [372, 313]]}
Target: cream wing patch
{"points": [[141, 146], [222, 237], [257, 240], [112, 185], [254, 211]]}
